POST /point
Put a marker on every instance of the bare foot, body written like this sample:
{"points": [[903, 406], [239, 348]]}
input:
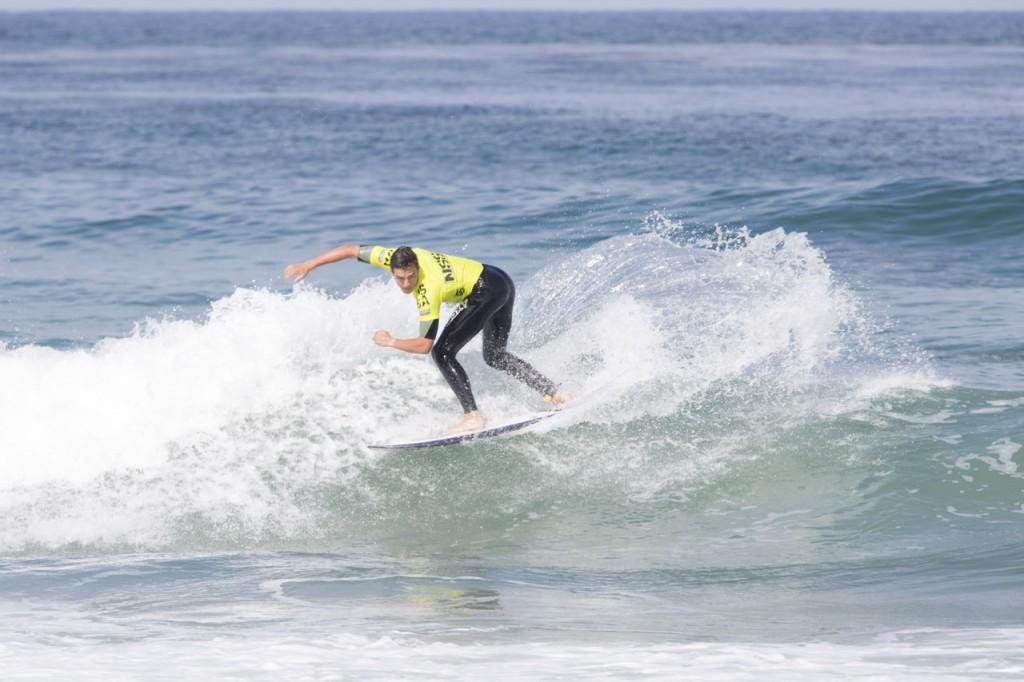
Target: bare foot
{"points": [[560, 399], [473, 421]]}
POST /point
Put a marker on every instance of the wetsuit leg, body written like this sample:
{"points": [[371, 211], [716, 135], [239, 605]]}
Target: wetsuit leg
{"points": [[462, 327], [488, 308], [496, 353]]}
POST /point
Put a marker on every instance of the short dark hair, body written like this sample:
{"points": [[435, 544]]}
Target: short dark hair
{"points": [[404, 257]]}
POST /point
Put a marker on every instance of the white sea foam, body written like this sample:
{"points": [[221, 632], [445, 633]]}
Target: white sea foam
{"points": [[968, 655], [226, 422], [1002, 462]]}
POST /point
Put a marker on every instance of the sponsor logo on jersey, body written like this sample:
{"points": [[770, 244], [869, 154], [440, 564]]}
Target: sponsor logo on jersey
{"points": [[422, 300], [445, 265]]}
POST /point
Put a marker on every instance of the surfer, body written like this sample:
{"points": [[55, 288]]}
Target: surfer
{"points": [[486, 295]]}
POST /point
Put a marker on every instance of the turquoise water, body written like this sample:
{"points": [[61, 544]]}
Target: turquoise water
{"points": [[776, 258]]}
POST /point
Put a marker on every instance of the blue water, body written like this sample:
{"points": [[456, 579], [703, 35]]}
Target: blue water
{"points": [[775, 258]]}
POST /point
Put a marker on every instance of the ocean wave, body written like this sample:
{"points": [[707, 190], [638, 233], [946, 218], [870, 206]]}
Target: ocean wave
{"points": [[935, 210], [700, 366]]}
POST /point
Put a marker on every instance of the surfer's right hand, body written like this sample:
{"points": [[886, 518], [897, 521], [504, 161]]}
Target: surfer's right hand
{"points": [[298, 271]]}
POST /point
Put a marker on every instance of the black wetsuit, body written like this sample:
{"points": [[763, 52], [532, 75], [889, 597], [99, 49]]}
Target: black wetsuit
{"points": [[489, 308]]}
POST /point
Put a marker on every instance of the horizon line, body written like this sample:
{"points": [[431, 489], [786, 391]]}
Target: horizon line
{"points": [[492, 10]]}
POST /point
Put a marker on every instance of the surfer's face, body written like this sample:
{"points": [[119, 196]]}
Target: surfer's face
{"points": [[406, 278]]}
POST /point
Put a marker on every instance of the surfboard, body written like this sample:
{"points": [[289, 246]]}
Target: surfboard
{"points": [[466, 437]]}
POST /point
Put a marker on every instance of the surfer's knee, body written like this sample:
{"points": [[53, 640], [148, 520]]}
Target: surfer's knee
{"points": [[437, 352], [495, 357], [441, 355]]}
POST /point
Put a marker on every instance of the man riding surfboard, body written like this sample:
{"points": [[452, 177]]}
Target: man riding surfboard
{"points": [[486, 295]]}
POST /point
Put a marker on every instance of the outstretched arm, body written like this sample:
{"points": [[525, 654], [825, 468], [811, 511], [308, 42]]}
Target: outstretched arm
{"points": [[300, 270]]}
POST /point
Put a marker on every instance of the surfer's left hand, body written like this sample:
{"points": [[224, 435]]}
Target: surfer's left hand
{"points": [[382, 338]]}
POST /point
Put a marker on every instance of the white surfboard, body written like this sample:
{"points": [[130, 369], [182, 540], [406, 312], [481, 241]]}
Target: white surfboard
{"points": [[468, 436]]}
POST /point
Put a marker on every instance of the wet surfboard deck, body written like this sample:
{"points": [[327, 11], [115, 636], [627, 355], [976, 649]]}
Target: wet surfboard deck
{"points": [[454, 439]]}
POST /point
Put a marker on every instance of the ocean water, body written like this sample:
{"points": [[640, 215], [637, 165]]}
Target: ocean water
{"points": [[775, 257]]}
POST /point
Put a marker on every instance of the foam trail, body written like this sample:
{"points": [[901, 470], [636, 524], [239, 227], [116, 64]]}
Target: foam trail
{"points": [[223, 417]]}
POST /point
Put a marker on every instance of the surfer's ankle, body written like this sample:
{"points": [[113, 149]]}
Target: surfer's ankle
{"points": [[472, 421]]}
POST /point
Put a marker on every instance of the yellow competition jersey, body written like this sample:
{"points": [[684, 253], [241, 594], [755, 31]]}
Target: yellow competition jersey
{"points": [[443, 278]]}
